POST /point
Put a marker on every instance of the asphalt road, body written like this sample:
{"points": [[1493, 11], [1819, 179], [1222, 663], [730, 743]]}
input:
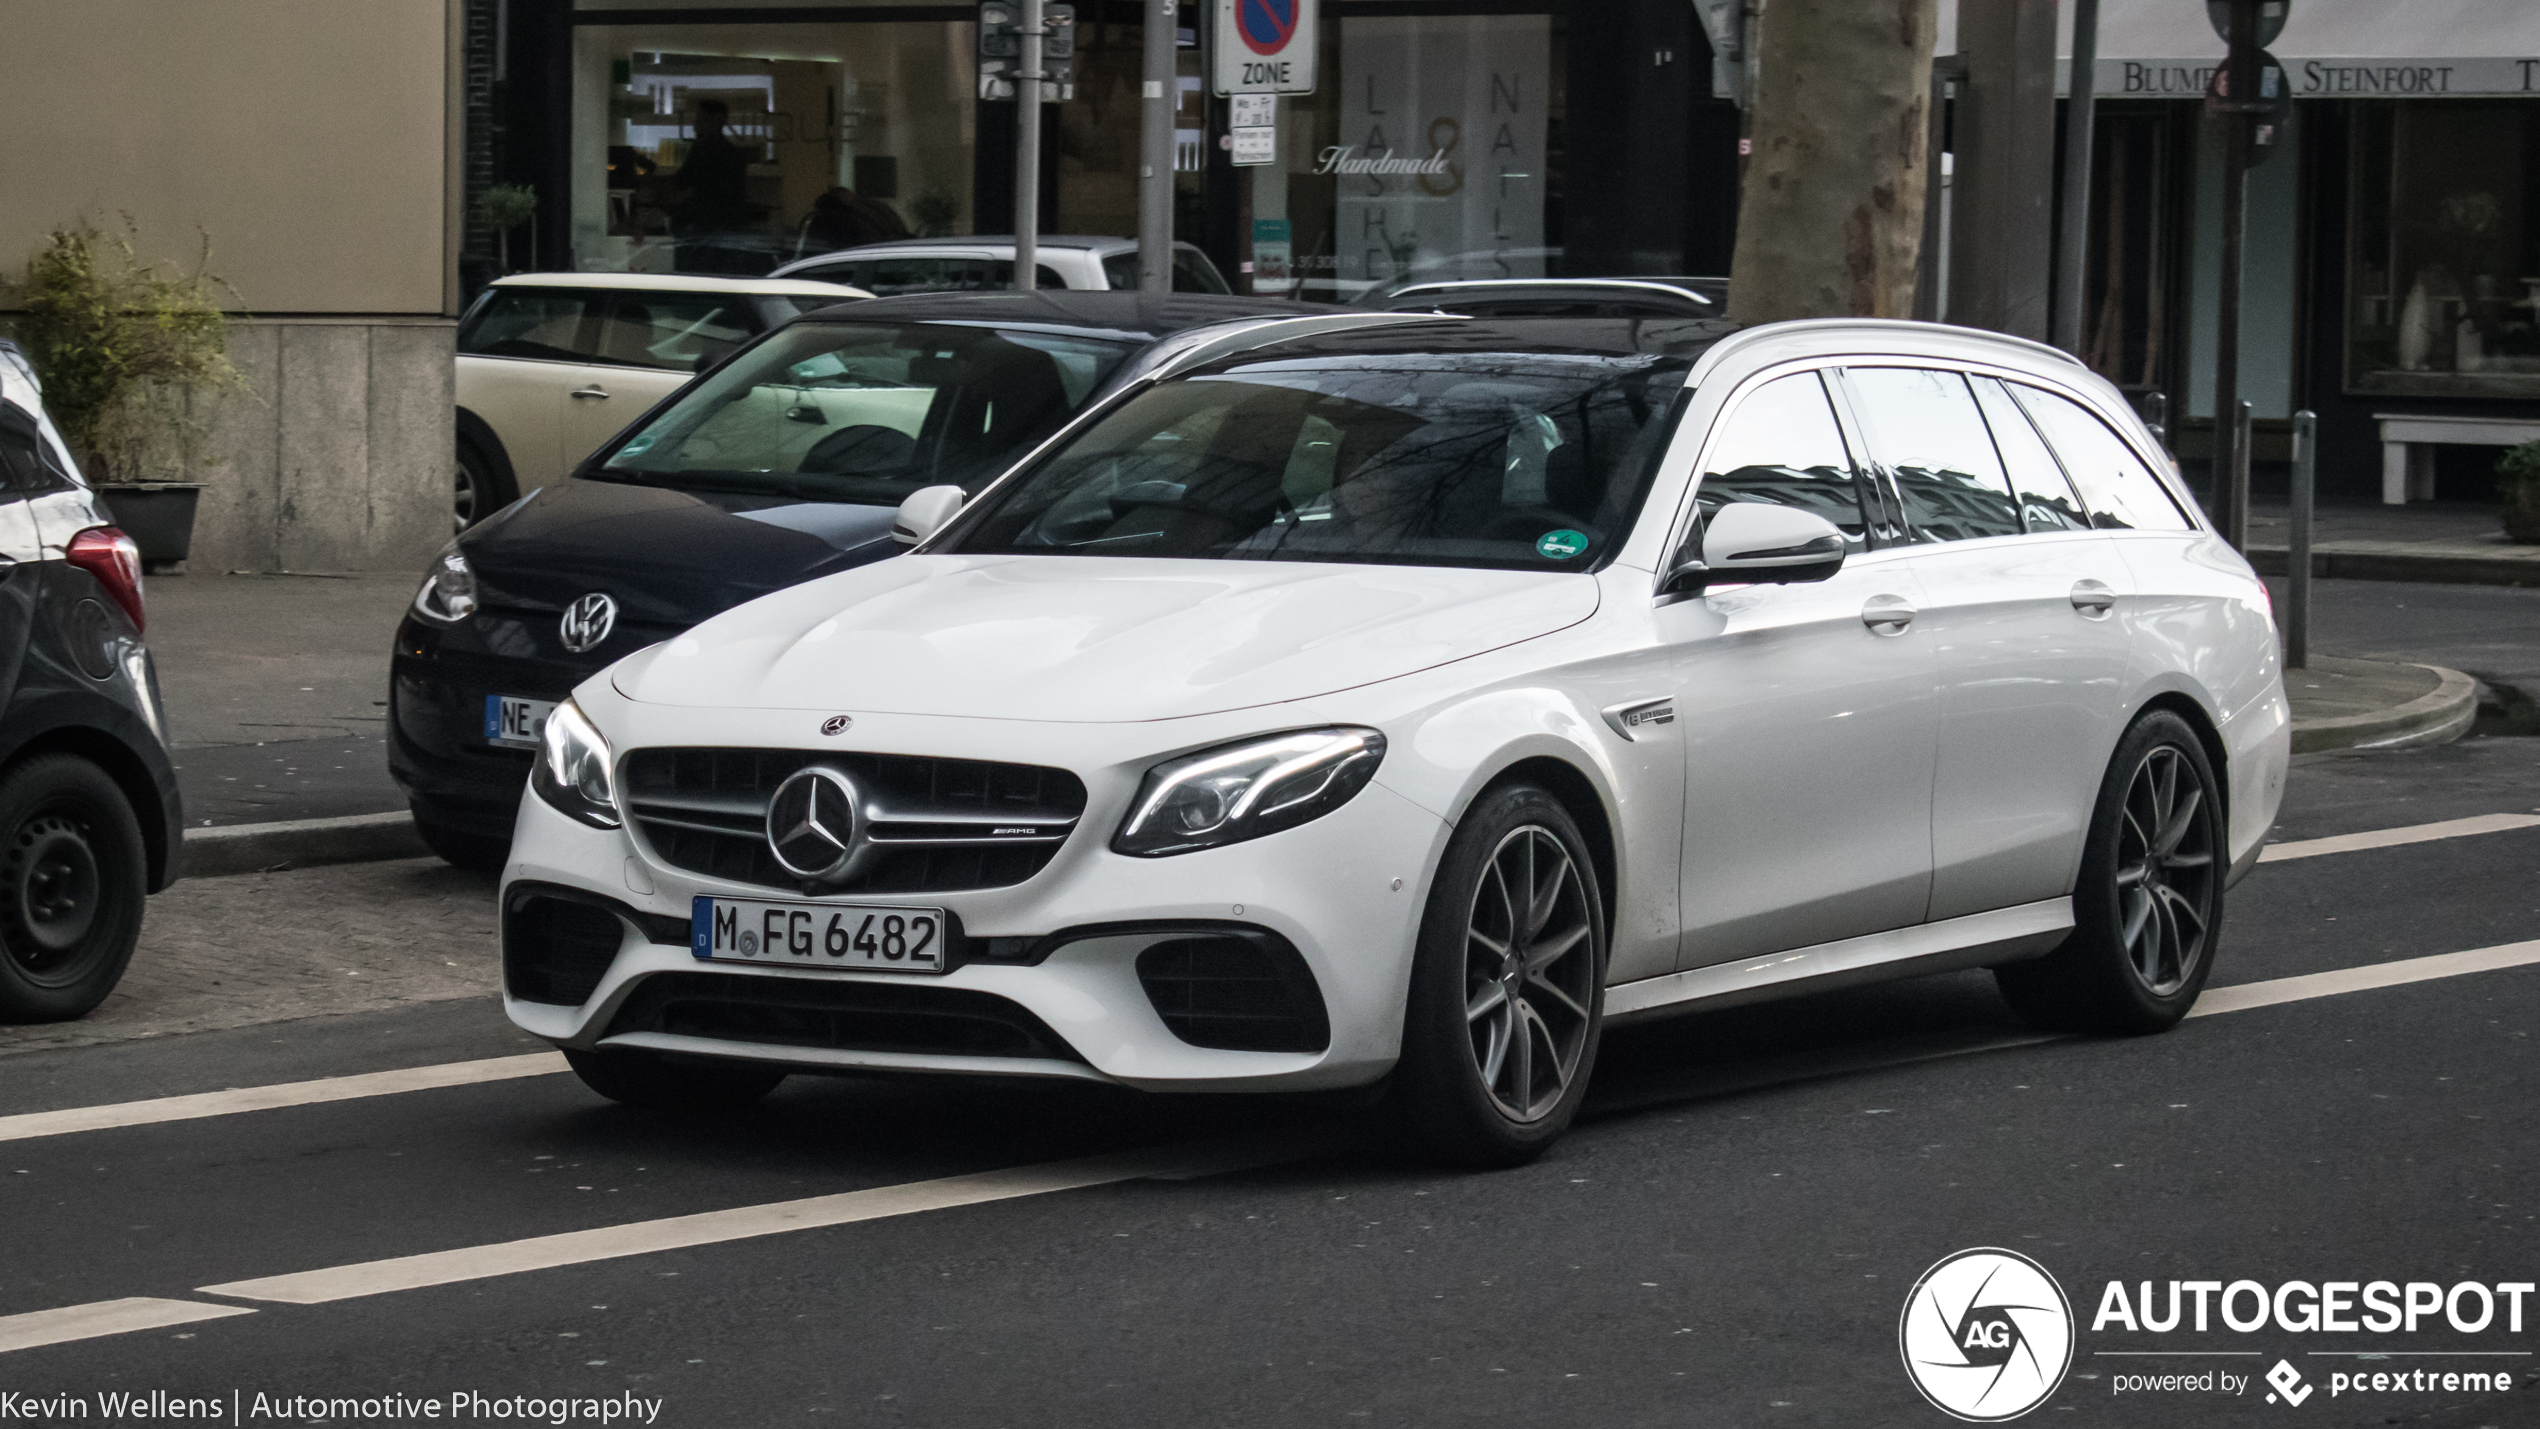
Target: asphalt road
{"points": [[1727, 1238]]}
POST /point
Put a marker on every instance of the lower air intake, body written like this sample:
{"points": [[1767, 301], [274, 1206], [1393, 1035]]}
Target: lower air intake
{"points": [[1244, 991]]}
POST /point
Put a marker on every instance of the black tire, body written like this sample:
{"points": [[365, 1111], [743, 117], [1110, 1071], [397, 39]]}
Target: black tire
{"points": [[658, 1083], [73, 877], [479, 487], [477, 853], [2148, 905], [1461, 1090]]}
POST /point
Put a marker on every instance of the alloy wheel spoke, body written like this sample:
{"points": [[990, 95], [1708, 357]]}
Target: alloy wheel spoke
{"points": [[2181, 822], [1547, 951], [2138, 913], [1487, 1001], [1522, 1059], [1494, 946], [1558, 994], [1496, 1057]]}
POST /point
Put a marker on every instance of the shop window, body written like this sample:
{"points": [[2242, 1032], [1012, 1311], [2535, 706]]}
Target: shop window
{"points": [[2132, 225], [735, 148], [2444, 269]]}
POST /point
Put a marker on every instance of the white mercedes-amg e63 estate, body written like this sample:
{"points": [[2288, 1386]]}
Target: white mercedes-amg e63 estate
{"points": [[1402, 698]]}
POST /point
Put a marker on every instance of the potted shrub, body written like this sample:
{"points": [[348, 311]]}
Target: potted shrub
{"points": [[2518, 491], [127, 350]]}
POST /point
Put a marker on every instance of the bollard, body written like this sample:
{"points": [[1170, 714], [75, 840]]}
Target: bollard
{"points": [[2297, 566]]}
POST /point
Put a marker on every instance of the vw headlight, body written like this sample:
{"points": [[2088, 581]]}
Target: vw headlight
{"points": [[572, 771], [1242, 791], [449, 588]]}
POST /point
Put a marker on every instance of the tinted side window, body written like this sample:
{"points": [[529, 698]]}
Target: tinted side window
{"points": [[528, 322], [2119, 489], [2046, 499], [1924, 428], [1120, 270], [1195, 274], [1781, 446], [18, 443], [671, 330]]}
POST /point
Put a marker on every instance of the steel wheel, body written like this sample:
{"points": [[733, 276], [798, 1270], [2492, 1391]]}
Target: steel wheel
{"points": [[2165, 871], [53, 893], [72, 880], [1529, 973], [463, 501]]}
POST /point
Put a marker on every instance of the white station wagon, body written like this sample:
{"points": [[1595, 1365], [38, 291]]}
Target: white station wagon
{"points": [[1403, 699]]}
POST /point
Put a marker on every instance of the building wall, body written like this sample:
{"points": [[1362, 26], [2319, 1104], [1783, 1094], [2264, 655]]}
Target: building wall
{"points": [[313, 141]]}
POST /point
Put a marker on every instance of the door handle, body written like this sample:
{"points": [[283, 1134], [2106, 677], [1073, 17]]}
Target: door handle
{"points": [[2093, 599], [1887, 614], [594, 390]]}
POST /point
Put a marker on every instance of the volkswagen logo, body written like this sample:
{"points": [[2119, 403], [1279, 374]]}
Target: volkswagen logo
{"points": [[1987, 1335], [811, 822], [587, 622], [837, 724]]}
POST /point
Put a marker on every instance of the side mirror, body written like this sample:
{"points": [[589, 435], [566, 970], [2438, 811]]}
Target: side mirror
{"points": [[928, 509], [1750, 542]]}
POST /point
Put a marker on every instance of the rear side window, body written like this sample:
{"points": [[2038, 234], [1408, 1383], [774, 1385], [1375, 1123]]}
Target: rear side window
{"points": [[2046, 499], [1193, 273], [1781, 446], [1120, 270], [1923, 427], [890, 277], [672, 331], [2120, 491]]}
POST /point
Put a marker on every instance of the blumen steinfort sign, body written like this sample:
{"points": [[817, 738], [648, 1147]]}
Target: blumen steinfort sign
{"points": [[2330, 77]]}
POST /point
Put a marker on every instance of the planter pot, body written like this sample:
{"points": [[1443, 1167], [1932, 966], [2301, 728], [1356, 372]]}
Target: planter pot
{"points": [[157, 515]]}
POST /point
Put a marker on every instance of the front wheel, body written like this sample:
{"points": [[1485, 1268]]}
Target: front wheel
{"points": [[1507, 987], [72, 879], [2147, 909], [658, 1083]]}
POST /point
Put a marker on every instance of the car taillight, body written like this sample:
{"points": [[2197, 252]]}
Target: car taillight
{"points": [[113, 558]]}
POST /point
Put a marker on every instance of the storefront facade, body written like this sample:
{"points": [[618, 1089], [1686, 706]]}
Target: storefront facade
{"points": [[2393, 261], [1485, 137]]}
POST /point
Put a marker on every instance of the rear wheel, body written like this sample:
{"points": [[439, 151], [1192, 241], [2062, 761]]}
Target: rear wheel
{"points": [[1507, 989], [658, 1083], [478, 853], [2147, 910], [73, 876], [478, 488]]}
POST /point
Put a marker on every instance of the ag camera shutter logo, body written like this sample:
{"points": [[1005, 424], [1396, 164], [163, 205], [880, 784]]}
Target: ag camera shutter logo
{"points": [[1987, 1335]]}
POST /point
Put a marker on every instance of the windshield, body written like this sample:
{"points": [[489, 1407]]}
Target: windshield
{"points": [[868, 412], [1513, 462]]}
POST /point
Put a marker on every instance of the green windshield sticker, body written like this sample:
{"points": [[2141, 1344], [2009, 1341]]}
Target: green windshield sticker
{"points": [[1561, 545]]}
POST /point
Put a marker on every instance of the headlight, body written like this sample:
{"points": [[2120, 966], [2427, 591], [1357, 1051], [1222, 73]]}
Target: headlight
{"points": [[1242, 791], [572, 772], [449, 589]]}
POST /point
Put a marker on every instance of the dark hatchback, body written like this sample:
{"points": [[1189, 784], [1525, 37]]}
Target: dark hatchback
{"points": [[89, 817], [784, 464]]}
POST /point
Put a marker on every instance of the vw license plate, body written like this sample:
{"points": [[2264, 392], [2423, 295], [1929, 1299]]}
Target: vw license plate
{"points": [[818, 935], [515, 722]]}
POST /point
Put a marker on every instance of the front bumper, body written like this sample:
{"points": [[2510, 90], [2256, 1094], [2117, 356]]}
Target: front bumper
{"points": [[437, 750], [1344, 892]]}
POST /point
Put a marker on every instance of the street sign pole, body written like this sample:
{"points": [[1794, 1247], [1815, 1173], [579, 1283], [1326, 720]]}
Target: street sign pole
{"points": [[2071, 280], [1027, 149], [1155, 151], [2297, 588]]}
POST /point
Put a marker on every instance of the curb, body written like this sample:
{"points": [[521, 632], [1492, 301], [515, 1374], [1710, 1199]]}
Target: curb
{"points": [[246, 848], [2401, 566], [2437, 718]]}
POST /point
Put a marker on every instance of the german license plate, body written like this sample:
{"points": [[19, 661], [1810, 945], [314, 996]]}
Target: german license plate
{"points": [[514, 721], [864, 938]]}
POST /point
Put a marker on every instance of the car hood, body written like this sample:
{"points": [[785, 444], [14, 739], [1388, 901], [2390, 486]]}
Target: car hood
{"points": [[669, 558], [1072, 638]]}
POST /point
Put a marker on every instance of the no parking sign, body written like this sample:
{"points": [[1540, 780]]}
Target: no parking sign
{"points": [[1264, 46]]}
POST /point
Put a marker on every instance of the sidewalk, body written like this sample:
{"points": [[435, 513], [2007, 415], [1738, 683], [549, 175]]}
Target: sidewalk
{"points": [[2459, 542]]}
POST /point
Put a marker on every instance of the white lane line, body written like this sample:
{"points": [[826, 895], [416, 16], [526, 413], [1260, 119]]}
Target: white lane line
{"points": [[2243, 996], [238, 1099], [2391, 838], [378, 1277], [105, 1317]]}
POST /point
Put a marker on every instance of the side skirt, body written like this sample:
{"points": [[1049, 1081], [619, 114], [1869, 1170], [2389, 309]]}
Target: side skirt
{"points": [[1978, 940]]}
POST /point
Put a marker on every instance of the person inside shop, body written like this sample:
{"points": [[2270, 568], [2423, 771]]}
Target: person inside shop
{"points": [[715, 178], [842, 218]]}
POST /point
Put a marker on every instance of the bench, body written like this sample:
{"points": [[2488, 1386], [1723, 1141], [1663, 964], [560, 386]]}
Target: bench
{"points": [[2408, 443]]}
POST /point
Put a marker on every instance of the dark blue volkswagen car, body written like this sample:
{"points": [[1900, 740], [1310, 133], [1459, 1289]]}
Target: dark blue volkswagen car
{"points": [[784, 464]]}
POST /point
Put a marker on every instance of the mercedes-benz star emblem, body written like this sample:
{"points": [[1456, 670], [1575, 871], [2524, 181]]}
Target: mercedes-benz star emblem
{"points": [[587, 622], [837, 724], [811, 822]]}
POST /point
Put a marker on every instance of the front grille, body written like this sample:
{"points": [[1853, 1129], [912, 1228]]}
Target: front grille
{"points": [[838, 1015], [939, 825], [556, 950], [1240, 991]]}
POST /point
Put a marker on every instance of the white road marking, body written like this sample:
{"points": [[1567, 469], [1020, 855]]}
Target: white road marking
{"points": [[2391, 838], [238, 1099], [105, 1317], [378, 1277], [2243, 996]]}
